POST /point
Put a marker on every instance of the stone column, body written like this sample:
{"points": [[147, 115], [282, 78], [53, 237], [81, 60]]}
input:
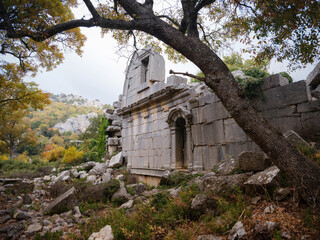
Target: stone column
{"points": [[189, 155], [172, 161]]}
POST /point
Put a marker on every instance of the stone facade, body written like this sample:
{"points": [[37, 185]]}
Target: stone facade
{"points": [[173, 125]]}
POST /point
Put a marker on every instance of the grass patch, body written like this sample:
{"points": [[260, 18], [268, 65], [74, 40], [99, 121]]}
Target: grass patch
{"points": [[49, 236]]}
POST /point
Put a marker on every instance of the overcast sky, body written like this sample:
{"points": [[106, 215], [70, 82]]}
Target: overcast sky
{"points": [[99, 73]]}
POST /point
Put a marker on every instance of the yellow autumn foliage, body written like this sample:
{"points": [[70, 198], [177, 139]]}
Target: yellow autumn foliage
{"points": [[72, 154]]}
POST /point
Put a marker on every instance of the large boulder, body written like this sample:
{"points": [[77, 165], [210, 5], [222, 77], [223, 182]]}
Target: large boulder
{"points": [[202, 203], [98, 169], [253, 161], [104, 234], [63, 203], [226, 166], [262, 180], [121, 195], [116, 161], [63, 176], [219, 184]]}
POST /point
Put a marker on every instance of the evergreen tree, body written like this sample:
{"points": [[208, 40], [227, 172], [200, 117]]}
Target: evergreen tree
{"points": [[101, 144]]}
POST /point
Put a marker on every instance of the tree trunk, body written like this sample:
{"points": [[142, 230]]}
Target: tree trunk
{"points": [[304, 174]]}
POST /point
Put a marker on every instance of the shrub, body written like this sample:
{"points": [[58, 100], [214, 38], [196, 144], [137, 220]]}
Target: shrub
{"points": [[286, 75], [72, 154], [53, 152]]}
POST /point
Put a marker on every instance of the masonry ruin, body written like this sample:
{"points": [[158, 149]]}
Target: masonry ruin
{"points": [[166, 124]]}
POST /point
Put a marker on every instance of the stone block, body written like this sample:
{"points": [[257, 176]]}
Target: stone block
{"points": [[116, 161], [193, 103], [274, 80], [110, 111], [117, 104], [310, 124], [253, 161], [214, 133], [283, 96], [316, 92], [313, 79], [279, 112], [120, 97], [113, 141], [208, 98], [233, 133], [226, 165], [175, 80], [63, 203], [288, 123], [200, 156], [113, 129], [198, 135], [294, 138], [117, 122], [197, 115], [215, 111]]}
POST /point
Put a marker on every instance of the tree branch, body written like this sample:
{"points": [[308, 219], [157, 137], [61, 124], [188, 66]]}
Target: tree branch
{"points": [[189, 75], [170, 19], [92, 9], [100, 22]]}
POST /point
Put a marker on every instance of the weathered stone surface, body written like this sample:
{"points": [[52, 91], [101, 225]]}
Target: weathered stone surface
{"points": [[89, 165], [46, 178], [253, 161], [27, 199], [77, 124], [109, 110], [226, 166], [121, 194], [62, 203], [120, 177], [237, 232], [117, 123], [104, 234], [218, 184], [294, 138], [33, 228], [13, 230], [208, 237], [262, 180], [113, 141], [126, 205], [175, 192], [274, 80], [5, 219], [106, 177], [238, 74], [98, 169], [63, 176], [116, 161], [175, 80], [203, 203], [316, 92], [313, 79], [139, 188], [113, 129], [266, 231], [91, 178], [283, 96], [20, 215]]}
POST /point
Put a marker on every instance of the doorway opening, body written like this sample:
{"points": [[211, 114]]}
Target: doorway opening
{"points": [[180, 143]]}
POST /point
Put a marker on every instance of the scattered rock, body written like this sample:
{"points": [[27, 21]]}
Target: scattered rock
{"points": [[27, 199], [253, 161], [237, 232], [33, 228], [269, 210], [46, 178], [63, 176], [98, 169], [5, 219], [121, 195], [63, 203], [76, 212], [174, 192], [218, 184], [89, 165], [203, 203], [139, 188], [226, 166], [91, 178], [116, 161], [266, 230], [282, 193], [255, 200], [120, 177], [46, 222], [106, 177], [262, 180], [208, 237], [104, 234], [13, 231], [20, 215], [126, 205], [164, 177]]}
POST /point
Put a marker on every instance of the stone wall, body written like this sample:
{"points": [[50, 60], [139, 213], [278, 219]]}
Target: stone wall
{"points": [[174, 125]]}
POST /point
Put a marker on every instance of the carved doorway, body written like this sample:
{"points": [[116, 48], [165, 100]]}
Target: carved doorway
{"points": [[180, 143]]}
